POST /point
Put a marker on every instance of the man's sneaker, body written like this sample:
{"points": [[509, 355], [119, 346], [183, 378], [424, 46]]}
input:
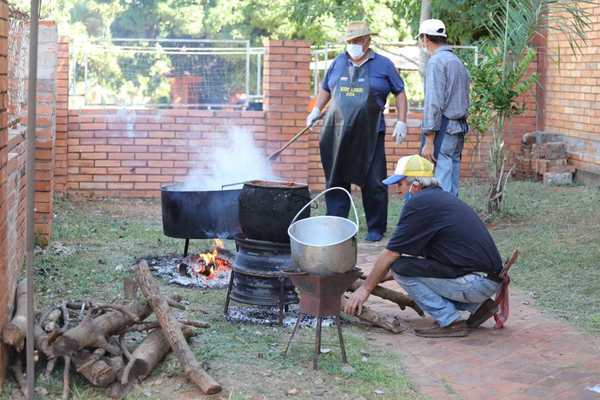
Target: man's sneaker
{"points": [[455, 329], [486, 310], [373, 236]]}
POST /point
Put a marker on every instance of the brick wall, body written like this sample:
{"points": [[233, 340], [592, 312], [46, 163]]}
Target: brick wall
{"points": [[62, 110], [6, 295], [572, 95], [45, 130], [131, 153]]}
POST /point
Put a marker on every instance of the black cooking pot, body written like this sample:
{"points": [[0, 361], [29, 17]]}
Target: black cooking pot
{"points": [[193, 214], [267, 208]]}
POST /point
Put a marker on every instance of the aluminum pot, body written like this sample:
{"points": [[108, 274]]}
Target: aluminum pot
{"points": [[198, 214], [267, 208], [324, 245]]}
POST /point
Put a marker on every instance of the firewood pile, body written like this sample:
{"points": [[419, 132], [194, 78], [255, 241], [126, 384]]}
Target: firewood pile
{"points": [[91, 338], [392, 323]]}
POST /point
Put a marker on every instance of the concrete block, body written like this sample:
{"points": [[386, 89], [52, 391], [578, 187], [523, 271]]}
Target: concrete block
{"points": [[558, 178]]}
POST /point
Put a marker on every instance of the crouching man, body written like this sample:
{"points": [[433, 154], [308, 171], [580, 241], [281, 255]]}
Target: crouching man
{"points": [[441, 254]]}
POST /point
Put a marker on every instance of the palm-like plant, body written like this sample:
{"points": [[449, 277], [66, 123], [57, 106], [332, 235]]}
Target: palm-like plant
{"points": [[502, 76]]}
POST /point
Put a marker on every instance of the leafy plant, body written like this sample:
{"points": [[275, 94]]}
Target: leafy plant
{"points": [[502, 75]]}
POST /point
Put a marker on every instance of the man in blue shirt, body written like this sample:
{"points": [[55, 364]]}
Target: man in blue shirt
{"points": [[352, 138], [441, 254]]}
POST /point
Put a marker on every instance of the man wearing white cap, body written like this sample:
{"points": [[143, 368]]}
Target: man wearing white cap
{"points": [[441, 254], [446, 105], [358, 83]]}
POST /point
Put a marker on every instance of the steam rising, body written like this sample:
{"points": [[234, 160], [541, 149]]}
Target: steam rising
{"points": [[239, 161]]}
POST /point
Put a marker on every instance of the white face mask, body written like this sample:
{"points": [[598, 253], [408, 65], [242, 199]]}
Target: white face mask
{"points": [[355, 50]]}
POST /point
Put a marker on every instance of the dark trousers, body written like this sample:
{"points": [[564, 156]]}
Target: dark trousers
{"points": [[374, 193]]}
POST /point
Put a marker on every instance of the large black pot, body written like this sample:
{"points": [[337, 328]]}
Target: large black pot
{"points": [[192, 214], [267, 209]]}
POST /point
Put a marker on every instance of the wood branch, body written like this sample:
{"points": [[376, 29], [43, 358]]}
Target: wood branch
{"points": [[392, 295], [52, 321], [130, 289], [175, 304], [49, 368], [92, 332], [17, 370], [388, 322], [148, 354], [15, 331], [172, 331], [116, 307], [67, 378], [96, 368], [151, 325]]}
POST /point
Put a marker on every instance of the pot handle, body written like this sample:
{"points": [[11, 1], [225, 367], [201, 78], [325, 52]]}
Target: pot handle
{"points": [[321, 194]]}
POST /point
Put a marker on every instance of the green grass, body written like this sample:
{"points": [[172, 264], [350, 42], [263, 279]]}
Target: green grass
{"points": [[107, 237], [556, 229]]}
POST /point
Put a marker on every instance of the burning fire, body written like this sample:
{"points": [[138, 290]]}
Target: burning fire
{"points": [[210, 264]]}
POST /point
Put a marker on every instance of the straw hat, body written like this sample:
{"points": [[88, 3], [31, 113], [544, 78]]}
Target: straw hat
{"points": [[357, 29]]}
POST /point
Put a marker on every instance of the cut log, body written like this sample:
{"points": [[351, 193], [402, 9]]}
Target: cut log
{"points": [[92, 332], [148, 354], [172, 331], [388, 322], [14, 332], [94, 367], [392, 295]]}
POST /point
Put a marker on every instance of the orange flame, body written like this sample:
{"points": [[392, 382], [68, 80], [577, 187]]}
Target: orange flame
{"points": [[210, 264]]}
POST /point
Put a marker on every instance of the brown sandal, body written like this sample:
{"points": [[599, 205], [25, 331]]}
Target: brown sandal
{"points": [[455, 329]]}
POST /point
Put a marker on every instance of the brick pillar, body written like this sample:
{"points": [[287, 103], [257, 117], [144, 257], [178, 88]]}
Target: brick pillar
{"points": [[286, 93], [4, 282], [62, 110], [45, 130]]}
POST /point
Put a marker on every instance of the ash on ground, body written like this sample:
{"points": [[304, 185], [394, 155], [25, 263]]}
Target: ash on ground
{"points": [[270, 316], [168, 268]]}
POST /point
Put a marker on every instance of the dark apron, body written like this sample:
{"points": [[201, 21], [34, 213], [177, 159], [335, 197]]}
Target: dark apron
{"points": [[349, 133]]}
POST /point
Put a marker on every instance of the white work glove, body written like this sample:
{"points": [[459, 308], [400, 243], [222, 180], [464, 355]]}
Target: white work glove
{"points": [[313, 116], [400, 132]]}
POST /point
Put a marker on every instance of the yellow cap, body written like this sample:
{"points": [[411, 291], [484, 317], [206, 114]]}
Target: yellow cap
{"points": [[414, 165]]}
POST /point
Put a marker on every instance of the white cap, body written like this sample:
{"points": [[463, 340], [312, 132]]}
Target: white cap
{"points": [[432, 27]]}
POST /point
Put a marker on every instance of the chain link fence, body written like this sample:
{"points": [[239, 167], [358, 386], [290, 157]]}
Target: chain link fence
{"points": [[406, 58], [207, 74]]}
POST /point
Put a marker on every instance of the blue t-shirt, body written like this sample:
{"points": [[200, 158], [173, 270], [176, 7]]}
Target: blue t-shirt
{"points": [[383, 78], [437, 225]]}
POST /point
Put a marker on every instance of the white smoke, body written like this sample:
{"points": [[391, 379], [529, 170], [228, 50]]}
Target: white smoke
{"points": [[239, 161]]}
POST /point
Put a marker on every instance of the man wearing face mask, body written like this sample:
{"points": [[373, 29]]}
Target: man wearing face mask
{"points": [[358, 83], [441, 254], [446, 105]]}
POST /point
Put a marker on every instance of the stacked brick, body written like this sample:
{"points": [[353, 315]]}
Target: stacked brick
{"points": [[572, 94], [545, 158]]}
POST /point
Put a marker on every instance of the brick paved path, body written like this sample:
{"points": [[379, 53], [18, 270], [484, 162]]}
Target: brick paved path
{"points": [[533, 357]]}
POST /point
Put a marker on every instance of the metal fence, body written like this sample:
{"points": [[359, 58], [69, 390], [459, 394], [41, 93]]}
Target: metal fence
{"points": [[405, 56], [210, 74]]}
